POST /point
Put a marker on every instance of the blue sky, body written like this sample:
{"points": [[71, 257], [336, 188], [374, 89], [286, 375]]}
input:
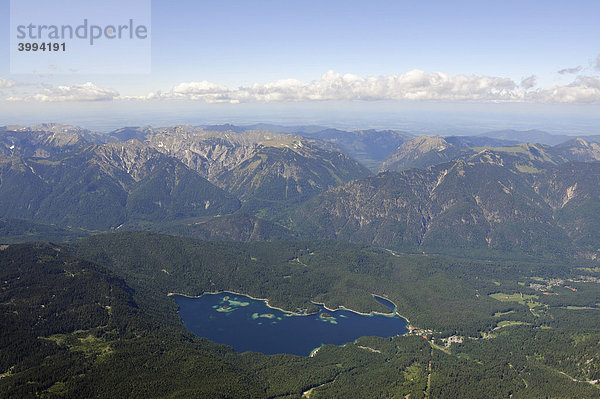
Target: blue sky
{"points": [[327, 53], [251, 41]]}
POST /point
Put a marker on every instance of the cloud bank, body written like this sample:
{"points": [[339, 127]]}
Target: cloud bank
{"points": [[411, 86], [82, 92], [414, 85], [584, 90]]}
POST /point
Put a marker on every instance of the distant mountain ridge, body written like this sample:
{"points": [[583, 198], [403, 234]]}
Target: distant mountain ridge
{"points": [[56, 176], [450, 192], [535, 136], [104, 186], [59, 130], [259, 165], [370, 147], [488, 201], [426, 151]]}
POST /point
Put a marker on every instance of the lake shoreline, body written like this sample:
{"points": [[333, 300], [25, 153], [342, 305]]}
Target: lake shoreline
{"points": [[196, 312], [395, 307], [372, 313], [341, 307], [266, 301]]}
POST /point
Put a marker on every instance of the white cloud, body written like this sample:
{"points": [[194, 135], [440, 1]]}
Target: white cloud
{"points": [[413, 85], [82, 92], [598, 62], [585, 89], [571, 70], [203, 90], [5, 84], [528, 83]]}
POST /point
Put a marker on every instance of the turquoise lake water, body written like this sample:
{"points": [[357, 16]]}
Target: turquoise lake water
{"points": [[250, 325]]}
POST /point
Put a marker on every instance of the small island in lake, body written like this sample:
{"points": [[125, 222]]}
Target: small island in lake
{"points": [[221, 317]]}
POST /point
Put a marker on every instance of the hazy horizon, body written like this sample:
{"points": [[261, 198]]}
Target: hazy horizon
{"points": [[465, 67], [422, 118]]}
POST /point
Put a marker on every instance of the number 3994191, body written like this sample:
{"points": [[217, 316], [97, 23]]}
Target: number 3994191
{"points": [[42, 46]]}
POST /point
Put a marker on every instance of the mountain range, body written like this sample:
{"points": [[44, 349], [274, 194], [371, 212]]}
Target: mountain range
{"points": [[434, 193], [57, 176], [534, 136], [425, 151], [488, 200]]}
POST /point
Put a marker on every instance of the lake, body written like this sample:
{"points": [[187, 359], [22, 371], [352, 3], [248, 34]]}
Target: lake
{"points": [[250, 325]]}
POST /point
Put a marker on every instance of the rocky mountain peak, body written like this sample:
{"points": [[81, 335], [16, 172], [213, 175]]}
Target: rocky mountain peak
{"points": [[425, 144], [421, 152]]}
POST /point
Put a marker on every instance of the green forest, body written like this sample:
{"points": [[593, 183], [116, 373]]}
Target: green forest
{"points": [[92, 318]]}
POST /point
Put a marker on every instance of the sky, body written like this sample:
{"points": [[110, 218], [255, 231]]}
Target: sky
{"points": [[361, 63]]}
